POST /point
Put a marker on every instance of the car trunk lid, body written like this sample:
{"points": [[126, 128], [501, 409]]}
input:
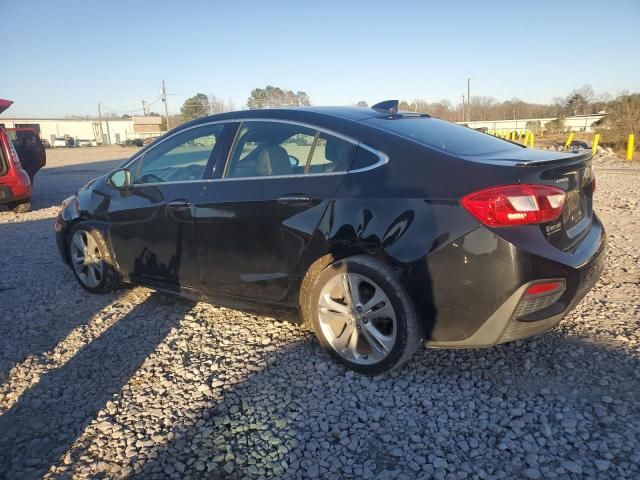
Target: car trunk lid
{"points": [[569, 171], [573, 173]]}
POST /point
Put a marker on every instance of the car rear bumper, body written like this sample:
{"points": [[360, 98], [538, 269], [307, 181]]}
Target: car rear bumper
{"points": [[9, 195], [481, 316]]}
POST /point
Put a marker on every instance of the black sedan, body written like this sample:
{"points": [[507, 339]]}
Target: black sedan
{"points": [[384, 228]]}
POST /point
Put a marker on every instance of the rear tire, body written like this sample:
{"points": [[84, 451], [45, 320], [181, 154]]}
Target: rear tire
{"points": [[362, 315], [90, 259], [20, 207]]}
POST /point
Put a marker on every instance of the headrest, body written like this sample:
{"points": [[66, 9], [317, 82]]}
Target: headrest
{"points": [[337, 150], [273, 160]]}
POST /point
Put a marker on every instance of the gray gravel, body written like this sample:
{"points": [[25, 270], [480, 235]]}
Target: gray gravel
{"points": [[140, 384]]}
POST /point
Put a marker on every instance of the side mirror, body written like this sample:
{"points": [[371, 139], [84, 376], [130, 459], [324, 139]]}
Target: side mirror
{"points": [[120, 179]]}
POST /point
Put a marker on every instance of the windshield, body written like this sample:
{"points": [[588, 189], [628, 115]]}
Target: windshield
{"points": [[445, 136]]}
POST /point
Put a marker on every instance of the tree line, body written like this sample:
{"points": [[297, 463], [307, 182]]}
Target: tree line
{"points": [[623, 111]]}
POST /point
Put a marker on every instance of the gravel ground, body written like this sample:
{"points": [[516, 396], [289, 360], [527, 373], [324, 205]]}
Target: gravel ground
{"points": [[140, 384]]}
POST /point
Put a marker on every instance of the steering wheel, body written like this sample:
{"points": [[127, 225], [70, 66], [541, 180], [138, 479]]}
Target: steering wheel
{"points": [[150, 178], [191, 172]]}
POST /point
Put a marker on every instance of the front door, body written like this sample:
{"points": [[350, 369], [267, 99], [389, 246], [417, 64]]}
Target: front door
{"points": [[152, 230], [254, 224]]}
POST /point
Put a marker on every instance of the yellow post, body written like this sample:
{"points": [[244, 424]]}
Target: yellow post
{"points": [[569, 140], [531, 139], [594, 147], [513, 136], [630, 142]]}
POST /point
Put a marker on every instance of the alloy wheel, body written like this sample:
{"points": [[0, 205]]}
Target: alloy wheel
{"points": [[86, 258], [357, 318]]}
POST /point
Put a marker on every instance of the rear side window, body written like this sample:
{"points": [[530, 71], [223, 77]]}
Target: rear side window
{"points": [[444, 136], [331, 154], [364, 159], [265, 149]]}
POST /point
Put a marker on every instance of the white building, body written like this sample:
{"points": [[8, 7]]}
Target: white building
{"points": [[106, 131], [577, 123]]}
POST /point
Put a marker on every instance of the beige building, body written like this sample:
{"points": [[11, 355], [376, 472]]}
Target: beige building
{"points": [[105, 132]]}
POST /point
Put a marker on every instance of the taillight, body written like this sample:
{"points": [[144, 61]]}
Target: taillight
{"points": [[515, 204]]}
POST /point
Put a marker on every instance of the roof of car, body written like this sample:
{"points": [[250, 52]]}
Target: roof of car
{"points": [[354, 114]]}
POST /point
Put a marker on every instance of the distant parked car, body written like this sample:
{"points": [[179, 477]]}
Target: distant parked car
{"points": [[86, 143], [132, 142], [30, 149], [59, 142], [383, 228]]}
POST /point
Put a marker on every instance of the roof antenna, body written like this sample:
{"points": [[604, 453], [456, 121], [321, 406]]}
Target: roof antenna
{"points": [[388, 106]]}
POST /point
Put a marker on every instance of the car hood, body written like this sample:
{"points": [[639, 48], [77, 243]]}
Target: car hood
{"points": [[4, 104]]}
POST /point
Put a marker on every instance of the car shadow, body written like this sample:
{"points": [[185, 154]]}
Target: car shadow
{"points": [[46, 420], [301, 411], [41, 301]]}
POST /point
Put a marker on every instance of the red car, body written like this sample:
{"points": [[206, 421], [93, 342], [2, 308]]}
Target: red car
{"points": [[30, 149], [15, 185]]}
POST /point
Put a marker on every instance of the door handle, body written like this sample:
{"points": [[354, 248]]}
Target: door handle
{"points": [[295, 199], [179, 205]]}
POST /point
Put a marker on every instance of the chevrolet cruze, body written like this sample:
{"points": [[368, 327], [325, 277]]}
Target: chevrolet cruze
{"points": [[383, 228]]}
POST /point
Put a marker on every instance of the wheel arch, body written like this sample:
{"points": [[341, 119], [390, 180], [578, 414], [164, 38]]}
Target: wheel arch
{"points": [[102, 227]]}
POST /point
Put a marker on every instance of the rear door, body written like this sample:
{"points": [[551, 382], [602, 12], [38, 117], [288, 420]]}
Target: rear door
{"points": [[254, 222]]}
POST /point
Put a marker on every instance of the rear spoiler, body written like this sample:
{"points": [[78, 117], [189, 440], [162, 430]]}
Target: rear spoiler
{"points": [[530, 157], [576, 156]]}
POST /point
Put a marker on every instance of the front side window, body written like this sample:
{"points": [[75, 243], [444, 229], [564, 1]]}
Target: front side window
{"points": [[265, 149], [180, 158]]}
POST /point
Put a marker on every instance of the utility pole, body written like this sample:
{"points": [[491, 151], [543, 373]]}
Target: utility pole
{"points": [[164, 100], [469, 98], [145, 108], [463, 117], [107, 122]]}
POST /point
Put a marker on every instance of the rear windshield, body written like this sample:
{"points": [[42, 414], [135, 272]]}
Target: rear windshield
{"points": [[444, 136]]}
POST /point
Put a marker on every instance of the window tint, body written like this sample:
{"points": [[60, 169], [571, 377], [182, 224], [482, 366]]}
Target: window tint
{"points": [[179, 158], [444, 136], [271, 148], [364, 158], [331, 154]]}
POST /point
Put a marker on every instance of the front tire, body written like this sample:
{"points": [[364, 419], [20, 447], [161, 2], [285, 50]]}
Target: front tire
{"points": [[91, 259], [363, 316]]}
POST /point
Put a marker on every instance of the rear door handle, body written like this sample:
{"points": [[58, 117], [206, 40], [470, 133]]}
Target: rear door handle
{"points": [[295, 199]]}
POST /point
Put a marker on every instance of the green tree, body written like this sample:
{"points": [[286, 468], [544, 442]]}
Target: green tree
{"points": [[195, 107], [623, 118], [271, 96], [362, 104]]}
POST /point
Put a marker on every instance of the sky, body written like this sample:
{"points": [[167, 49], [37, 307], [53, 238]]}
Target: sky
{"points": [[64, 57]]}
